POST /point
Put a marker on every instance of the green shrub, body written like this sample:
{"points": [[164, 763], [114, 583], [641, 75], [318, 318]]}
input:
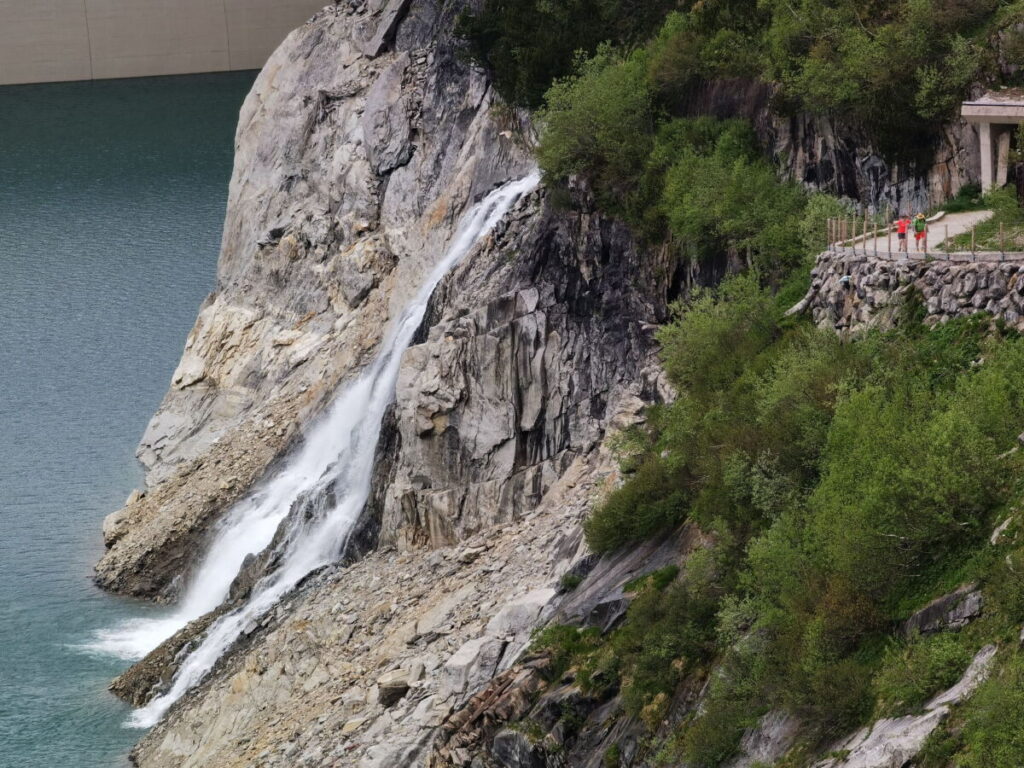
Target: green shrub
{"points": [[814, 224], [656, 580], [651, 501], [664, 635], [939, 749], [731, 705], [715, 735], [1004, 592], [717, 335], [967, 199], [901, 478], [599, 123], [912, 672], [566, 644], [570, 581], [726, 201], [993, 737], [527, 44]]}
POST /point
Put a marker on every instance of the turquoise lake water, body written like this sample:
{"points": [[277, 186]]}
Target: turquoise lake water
{"points": [[112, 200]]}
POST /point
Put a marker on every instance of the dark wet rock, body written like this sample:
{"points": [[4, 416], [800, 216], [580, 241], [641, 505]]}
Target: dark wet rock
{"points": [[952, 611]]}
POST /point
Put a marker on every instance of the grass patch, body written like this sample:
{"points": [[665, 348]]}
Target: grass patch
{"points": [[913, 671], [1003, 231]]}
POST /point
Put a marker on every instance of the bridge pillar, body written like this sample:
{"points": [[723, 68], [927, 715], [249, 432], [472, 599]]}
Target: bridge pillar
{"points": [[997, 115]]}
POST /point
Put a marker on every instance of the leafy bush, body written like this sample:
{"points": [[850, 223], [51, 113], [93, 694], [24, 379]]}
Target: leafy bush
{"points": [[729, 200], [717, 335], [599, 123], [967, 199], [658, 579], [527, 44], [912, 672], [992, 734], [1005, 590], [813, 226], [651, 501], [665, 632], [570, 581], [715, 735], [566, 645], [900, 479]]}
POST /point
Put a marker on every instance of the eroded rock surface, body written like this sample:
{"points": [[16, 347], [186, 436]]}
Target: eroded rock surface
{"points": [[306, 688], [823, 153], [952, 611]]}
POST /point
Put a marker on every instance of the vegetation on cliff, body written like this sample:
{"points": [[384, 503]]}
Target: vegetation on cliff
{"points": [[897, 68], [845, 484]]}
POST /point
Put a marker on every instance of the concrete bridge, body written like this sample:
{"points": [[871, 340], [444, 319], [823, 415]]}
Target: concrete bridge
{"points": [[53, 40]]}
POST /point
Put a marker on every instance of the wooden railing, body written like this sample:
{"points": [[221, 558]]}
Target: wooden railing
{"points": [[855, 236]]}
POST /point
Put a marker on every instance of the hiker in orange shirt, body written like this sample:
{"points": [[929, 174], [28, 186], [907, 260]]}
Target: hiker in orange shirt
{"points": [[902, 225]]}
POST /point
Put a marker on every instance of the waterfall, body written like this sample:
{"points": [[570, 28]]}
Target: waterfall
{"points": [[327, 481]]}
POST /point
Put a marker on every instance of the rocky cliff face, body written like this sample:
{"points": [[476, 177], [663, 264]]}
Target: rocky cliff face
{"points": [[360, 145], [823, 153]]}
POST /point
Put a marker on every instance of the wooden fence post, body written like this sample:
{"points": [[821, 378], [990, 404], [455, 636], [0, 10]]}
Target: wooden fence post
{"points": [[874, 232], [946, 240]]}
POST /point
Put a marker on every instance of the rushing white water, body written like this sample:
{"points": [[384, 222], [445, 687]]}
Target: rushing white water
{"points": [[326, 483]]}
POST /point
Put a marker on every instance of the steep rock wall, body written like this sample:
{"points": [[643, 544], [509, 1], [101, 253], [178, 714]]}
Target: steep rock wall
{"points": [[363, 140], [825, 154]]}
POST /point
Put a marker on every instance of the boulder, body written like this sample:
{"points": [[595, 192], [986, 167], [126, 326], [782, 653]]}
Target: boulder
{"points": [[393, 686], [115, 525], [475, 662], [514, 749], [521, 615], [952, 611], [767, 742]]}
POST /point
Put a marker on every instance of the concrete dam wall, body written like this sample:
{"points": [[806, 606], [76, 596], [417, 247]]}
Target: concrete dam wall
{"points": [[54, 40]]}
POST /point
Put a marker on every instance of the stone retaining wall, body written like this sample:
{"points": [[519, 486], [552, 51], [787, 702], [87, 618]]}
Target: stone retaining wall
{"points": [[854, 291]]}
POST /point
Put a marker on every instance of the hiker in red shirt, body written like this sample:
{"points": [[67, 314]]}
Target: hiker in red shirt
{"points": [[902, 225]]}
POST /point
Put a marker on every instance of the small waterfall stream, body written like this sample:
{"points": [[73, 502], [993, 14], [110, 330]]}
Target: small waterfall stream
{"points": [[327, 481]]}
